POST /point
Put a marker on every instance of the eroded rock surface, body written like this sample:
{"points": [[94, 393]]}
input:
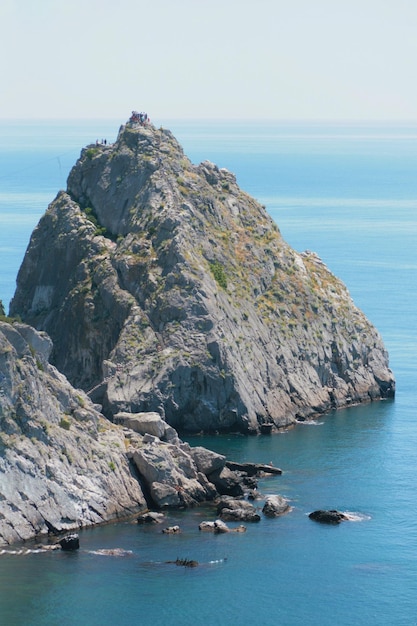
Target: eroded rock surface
{"points": [[166, 288], [62, 464]]}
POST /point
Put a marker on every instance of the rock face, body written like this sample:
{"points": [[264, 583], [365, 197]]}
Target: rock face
{"points": [[62, 464], [170, 474], [166, 288]]}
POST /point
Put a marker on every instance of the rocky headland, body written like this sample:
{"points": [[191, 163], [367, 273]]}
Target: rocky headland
{"points": [[156, 297], [166, 288], [63, 465]]}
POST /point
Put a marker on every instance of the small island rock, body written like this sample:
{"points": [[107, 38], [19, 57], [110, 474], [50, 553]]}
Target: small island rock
{"points": [[328, 516], [275, 506]]}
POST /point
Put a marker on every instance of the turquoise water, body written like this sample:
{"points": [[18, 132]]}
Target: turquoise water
{"points": [[349, 192]]}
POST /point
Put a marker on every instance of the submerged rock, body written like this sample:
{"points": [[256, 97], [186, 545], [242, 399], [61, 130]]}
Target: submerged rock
{"points": [[165, 288], [171, 530], [184, 562]]}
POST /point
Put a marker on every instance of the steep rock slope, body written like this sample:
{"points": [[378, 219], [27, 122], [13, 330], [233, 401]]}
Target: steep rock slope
{"points": [[166, 288], [62, 464]]}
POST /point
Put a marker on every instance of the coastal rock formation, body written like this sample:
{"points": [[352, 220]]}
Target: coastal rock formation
{"points": [[165, 288], [62, 464], [237, 510], [218, 527], [328, 516], [275, 506], [170, 475]]}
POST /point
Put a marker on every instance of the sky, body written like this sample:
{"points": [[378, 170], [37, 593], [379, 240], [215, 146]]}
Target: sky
{"points": [[199, 59]]}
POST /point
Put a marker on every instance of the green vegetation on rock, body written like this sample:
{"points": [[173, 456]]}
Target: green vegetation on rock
{"points": [[137, 320]]}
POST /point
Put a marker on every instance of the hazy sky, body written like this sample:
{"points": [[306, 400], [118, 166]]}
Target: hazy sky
{"points": [[284, 59]]}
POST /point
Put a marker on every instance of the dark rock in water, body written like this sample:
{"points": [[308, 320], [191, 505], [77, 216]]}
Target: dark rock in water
{"points": [[227, 482], [171, 530], [253, 469], [70, 542], [184, 562], [328, 517]]}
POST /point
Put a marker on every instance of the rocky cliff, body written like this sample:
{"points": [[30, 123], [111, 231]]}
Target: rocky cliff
{"points": [[63, 465], [166, 288]]}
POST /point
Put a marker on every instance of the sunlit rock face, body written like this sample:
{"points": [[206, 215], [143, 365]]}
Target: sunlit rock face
{"points": [[62, 464], [166, 288]]}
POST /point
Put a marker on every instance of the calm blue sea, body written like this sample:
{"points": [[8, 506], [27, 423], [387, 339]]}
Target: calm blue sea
{"points": [[348, 192]]}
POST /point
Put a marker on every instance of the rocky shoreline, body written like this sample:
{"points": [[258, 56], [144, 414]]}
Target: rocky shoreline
{"points": [[158, 298], [64, 466]]}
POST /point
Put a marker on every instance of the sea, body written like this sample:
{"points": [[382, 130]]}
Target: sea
{"points": [[347, 191]]}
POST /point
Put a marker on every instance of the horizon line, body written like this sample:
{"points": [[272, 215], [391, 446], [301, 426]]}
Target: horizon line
{"points": [[286, 120]]}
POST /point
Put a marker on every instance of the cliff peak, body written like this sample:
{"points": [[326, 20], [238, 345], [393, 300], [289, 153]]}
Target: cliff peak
{"points": [[167, 288]]}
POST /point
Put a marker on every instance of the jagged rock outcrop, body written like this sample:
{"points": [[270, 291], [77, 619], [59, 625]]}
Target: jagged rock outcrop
{"points": [[166, 288], [63, 465], [170, 475]]}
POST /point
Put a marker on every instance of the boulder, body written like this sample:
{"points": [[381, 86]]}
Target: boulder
{"points": [[143, 423], [275, 506], [328, 516], [207, 461], [226, 482], [253, 469], [207, 526], [150, 517], [237, 510], [170, 475], [220, 527], [165, 496], [70, 542]]}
